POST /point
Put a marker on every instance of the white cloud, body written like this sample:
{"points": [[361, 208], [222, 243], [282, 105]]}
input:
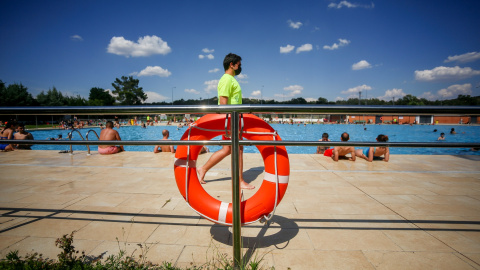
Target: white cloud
{"points": [[454, 90], [192, 91], [335, 46], [356, 89], [76, 38], [145, 46], [464, 58], [394, 93], [287, 49], [294, 25], [256, 93], [154, 97], [339, 98], [242, 78], [361, 65], [349, 5], [428, 95], [309, 99], [206, 50], [215, 70], [291, 90], [154, 71], [304, 48], [208, 56], [445, 74], [211, 85]]}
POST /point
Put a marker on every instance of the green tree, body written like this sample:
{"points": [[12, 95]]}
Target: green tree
{"points": [[15, 95], [75, 101], [100, 97], [128, 92], [321, 100], [53, 97]]}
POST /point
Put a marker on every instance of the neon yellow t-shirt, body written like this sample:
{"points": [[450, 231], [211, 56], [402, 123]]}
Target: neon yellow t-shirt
{"points": [[229, 87]]}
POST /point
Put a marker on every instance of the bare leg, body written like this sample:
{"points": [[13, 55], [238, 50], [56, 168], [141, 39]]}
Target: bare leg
{"points": [[212, 161], [243, 184]]}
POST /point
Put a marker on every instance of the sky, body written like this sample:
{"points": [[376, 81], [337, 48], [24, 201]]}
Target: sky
{"points": [[333, 49]]}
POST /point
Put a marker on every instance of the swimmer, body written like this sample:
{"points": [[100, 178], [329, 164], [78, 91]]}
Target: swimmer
{"points": [[23, 135], [442, 137], [452, 131], [371, 153], [322, 149], [109, 134], [342, 151], [164, 148]]}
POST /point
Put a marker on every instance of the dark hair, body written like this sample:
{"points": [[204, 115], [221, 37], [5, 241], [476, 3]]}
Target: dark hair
{"points": [[9, 124], [325, 135], [230, 58], [382, 138], [165, 132], [345, 137], [109, 124]]}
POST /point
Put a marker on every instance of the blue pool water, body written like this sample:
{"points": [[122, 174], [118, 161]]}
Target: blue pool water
{"points": [[396, 133]]}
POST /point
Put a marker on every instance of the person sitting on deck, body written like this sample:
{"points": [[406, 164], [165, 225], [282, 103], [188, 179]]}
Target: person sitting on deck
{"points": [[342, 151], [109, 134], [371, 153]]}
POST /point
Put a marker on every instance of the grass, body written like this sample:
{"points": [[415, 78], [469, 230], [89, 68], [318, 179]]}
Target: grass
{"points": [[70, 258]]}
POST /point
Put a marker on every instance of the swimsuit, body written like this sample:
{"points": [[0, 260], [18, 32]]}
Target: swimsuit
{"points": [[3, 146], [328, 152], [366, 151], [108, 150]]}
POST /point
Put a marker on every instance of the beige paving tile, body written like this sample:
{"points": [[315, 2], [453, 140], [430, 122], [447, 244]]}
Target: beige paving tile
{"points": [[297, 259], [417, 240], [335, 239], [111, 231], [46, 227], [415, 260], [6, 241]]}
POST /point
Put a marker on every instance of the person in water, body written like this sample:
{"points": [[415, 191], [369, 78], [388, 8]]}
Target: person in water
{"points": [[371, 153], [442, 137], [23, 135], [109, 134], [164, 148], [322, 149]]}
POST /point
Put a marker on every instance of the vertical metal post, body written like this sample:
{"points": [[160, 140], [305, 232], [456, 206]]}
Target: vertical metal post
{"points": [[237, 222]]}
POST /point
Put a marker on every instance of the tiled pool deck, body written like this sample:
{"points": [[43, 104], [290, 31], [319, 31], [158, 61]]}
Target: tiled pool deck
{"points": [[414, 212]]}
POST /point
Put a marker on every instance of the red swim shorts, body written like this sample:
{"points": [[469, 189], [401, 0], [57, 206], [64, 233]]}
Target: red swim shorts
{"points": [[109, 150], [328, 152]]}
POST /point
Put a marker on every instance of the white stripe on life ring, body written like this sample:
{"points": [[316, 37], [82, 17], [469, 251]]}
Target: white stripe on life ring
{"points": [[183, 163], [222, 212], [282, 179]]}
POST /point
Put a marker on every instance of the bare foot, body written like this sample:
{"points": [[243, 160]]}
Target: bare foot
{"points": [[201, 175], [245, 185]]}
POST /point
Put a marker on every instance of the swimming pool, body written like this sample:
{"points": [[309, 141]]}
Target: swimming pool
{"points": [[396, 133]]}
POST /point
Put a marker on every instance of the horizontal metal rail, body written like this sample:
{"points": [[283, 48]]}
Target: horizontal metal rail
{"points": [[250, 143], [245, 108]]}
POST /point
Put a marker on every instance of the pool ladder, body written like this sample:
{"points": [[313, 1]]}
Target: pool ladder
{"points": [[88, 132]]}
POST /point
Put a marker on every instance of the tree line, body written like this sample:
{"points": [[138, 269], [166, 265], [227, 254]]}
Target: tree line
{"points": [[127, 92]]}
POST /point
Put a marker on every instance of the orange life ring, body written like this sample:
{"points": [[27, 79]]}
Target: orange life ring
{"points": [[262, 203]]}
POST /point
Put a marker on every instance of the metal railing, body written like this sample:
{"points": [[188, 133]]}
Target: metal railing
{"points": [[235, 110], [86, 136]]}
